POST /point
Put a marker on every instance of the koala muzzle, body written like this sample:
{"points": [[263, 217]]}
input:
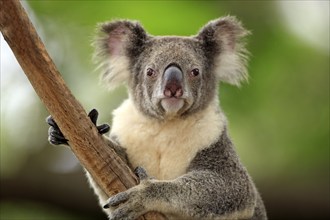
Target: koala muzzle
{"points": [[173, 79]]}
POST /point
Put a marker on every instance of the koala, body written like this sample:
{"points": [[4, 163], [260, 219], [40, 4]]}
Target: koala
{"points": [[171, 127]]}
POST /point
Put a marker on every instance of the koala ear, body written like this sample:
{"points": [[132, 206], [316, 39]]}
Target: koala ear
{"points": [[223, 40], [117, 43]]}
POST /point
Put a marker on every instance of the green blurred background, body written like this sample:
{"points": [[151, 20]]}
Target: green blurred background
{"points": [[279, 121]]}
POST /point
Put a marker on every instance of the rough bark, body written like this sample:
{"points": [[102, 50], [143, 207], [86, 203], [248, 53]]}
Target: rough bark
{"points": [[107, 169]]}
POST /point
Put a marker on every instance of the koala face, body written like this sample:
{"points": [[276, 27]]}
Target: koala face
{"points": [[172, 76]]}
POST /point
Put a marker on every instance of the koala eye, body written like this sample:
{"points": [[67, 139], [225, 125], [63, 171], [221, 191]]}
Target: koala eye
{"points": [[195, 72], [150, 72]]}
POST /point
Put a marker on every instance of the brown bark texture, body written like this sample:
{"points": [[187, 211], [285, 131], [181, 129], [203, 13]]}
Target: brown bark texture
{"points": [[105, 166]]}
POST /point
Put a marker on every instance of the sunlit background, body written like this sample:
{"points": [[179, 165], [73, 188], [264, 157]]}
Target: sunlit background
{"points": [[279, 121]]}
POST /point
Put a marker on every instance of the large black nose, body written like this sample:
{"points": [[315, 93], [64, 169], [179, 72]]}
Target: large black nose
{"points": [[173, 79]]}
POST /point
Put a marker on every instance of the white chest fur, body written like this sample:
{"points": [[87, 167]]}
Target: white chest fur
{"points": [[165, 149]]}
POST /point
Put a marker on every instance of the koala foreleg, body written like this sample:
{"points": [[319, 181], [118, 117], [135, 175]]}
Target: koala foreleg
{"points": [[195, 195]]}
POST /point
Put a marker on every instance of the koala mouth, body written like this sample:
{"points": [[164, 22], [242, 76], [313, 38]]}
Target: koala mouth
{"points": [[172, 105]]}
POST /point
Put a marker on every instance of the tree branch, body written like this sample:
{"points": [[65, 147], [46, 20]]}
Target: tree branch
{"points": [[105, 166]]}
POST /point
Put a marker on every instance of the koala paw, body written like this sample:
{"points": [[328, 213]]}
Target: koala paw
{"points": [[127, 205], [56, 137], [130, 204], [141, 173], [103, 128]]}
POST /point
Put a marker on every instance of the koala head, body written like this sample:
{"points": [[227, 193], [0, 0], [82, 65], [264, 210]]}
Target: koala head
{"points": [[170, 76]]}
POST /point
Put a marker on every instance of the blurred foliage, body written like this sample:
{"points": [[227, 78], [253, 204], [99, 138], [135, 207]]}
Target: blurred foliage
{"points": [[279, 121], [34, 211]]}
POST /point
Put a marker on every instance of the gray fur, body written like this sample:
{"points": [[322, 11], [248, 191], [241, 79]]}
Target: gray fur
{"points": [[216, 185]]}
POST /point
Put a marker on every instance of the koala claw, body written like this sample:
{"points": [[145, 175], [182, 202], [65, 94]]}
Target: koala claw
{"points": [[128, 205], [104, 128], [56, 137], [116, 200], [93, 115], [131, 203], [141, 173]]}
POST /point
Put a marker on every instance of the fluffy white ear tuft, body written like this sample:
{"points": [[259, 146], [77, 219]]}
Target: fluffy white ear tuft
{"points": [[115, 71], [224, 42], [116, 45]]}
